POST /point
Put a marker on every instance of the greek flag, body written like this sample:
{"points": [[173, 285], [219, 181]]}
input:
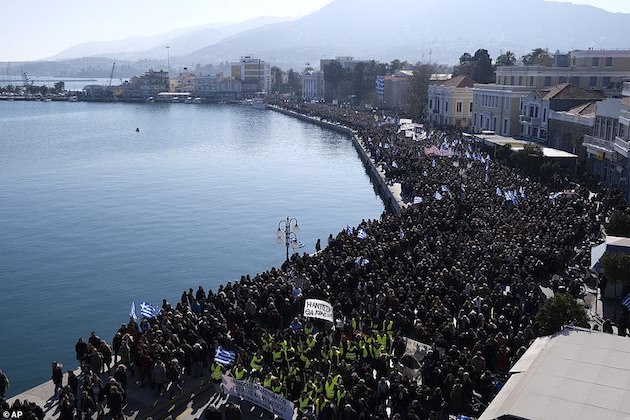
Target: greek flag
{"points": [[361, 234], [132, 312], [224, 357], [417, 200], [379, 85], [148, 311], [433, 163], [361, 262], [348, 230], [626, 301], [522, 191], [445, 189], [297, 244], [499, 192], [402, 233], [438, 196]]}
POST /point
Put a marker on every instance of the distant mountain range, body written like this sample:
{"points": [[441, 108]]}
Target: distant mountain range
{"points": [[412, 30]]}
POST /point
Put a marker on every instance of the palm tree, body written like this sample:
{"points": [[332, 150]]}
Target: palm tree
{"points": [[506, 59]]}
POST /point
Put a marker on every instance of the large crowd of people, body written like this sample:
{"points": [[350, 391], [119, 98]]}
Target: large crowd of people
{"points": [[458, 269]]}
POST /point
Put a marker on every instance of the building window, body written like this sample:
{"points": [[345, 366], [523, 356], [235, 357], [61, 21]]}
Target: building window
{"points": [[505, 123], [445, 106], [605, 82], [544, 114], [520, 80], [494, 124], [531, 80], [459, 107], [512, 80], [430, 103], [575, 80], [474, 119], [562, 79], [608, 62], [471, 105], [595, 61], [547, 80], [522, 128], [592, 81]]}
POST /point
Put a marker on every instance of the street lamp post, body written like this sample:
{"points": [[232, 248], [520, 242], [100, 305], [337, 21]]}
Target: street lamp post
{"points": [[168, 58], [289, 229]]}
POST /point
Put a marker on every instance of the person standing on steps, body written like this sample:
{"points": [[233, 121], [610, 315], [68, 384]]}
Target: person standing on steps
{"points": [[318, 245]]}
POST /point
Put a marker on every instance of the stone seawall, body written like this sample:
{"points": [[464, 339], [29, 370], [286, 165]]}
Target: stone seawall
{"points": [[390, 194]]}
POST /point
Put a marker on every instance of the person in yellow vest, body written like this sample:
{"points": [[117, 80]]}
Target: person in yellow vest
{"points": [[240, 373], [351, 351], [256, 363], [320, 404], [276, 387], [308, 328], [305, 403], [268, 380], [335, 355], [216, 370], [388, 326], [278, 355], [311, 341], [330, 388]]}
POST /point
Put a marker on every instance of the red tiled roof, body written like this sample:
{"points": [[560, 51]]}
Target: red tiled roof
{"points": [[569, 91], [459, 82]]}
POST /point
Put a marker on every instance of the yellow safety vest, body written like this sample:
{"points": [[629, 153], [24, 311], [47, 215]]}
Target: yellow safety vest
{"points": [[304, 403], [277, 356], [277, 388], [351, 352], [216, 371], [340, 396], [267, 382], [239, 373], [330, 389], [256, 363]]}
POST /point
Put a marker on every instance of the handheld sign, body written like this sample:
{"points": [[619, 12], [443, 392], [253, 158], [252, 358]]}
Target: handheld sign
{"points": [[315, 308]]}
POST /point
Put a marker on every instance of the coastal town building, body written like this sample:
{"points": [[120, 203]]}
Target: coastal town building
{"points": [[601, 70], [345, 62], [608, 146], [254, 73], [396, 89], [566, 129], [313, 85], [537, 105], [450, 103]]}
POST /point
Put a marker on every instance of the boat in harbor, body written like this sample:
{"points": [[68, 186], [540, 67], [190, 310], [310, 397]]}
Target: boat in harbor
{"points": [[197, 100], [259, 103]]}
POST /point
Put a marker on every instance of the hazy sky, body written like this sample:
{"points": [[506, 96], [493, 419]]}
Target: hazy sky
{"points": [[35, 29]]}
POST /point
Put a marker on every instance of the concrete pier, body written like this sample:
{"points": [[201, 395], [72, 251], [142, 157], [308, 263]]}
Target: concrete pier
{"points": [[390, 193]]}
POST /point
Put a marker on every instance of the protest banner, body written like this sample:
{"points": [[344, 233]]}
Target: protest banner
{"points": [[415, 349], [315, 308], [259, 396]]}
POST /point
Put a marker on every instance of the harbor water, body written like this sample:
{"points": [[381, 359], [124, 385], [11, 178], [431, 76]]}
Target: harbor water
{"points": [[95, 215]]}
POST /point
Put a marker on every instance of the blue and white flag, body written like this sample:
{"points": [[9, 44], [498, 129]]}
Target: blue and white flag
{"points": [[445, 189], [417, 200], [379, 85], [522, 191], [132, 312], [626, 301], [394, 164], [438, 196], [487, 165], [224, 357], [499, 192], [348, 230], [361, 234], [148, 311], [433, 163], [402, 233], [297, 244], [360, 262]]}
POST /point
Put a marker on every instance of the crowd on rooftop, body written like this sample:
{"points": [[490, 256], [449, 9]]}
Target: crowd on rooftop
{"points": [[458, 270]]}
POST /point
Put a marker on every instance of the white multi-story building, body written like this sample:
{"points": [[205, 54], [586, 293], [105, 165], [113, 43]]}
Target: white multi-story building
{"points": [[450, 103], [313, 85]]}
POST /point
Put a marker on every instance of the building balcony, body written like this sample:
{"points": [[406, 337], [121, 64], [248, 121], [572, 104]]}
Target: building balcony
{"points": [[621, 146], [526, 119], [436, 111], [597, 145], [624, 117]]}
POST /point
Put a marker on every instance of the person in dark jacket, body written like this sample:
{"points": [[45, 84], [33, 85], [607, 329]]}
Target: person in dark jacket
{"points": [[57, 376]]}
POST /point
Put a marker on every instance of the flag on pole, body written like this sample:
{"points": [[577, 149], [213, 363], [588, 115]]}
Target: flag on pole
{"points": [[148, 311], [438, 196], [417, 200], [433, 163], [348, 230], [402, 233], [626, 301], [224, 357], [361, 234], [132, 312]]}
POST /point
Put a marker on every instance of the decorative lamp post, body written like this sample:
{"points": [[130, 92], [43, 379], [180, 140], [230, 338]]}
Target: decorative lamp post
{"points": [[289, 229]]}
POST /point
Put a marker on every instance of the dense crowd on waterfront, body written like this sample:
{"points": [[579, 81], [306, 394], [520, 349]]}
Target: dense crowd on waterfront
{"points": [[458, 270]]}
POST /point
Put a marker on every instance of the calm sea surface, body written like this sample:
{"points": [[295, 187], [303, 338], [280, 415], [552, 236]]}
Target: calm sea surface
{"points": [[94, 215]]}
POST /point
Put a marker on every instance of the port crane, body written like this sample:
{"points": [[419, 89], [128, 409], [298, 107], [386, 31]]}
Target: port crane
{"points": [[111, 75]]}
